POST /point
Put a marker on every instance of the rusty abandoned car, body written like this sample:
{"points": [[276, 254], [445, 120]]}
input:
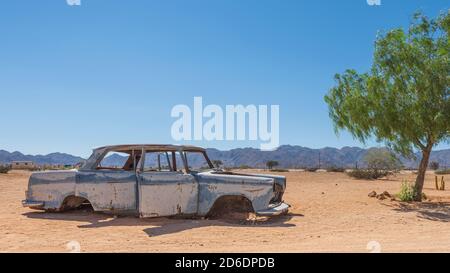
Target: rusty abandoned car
{"points": [[152, 181]]}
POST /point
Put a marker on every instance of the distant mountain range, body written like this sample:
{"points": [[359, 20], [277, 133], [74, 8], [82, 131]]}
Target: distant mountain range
{"points": [[288, 156], [53, 158]]}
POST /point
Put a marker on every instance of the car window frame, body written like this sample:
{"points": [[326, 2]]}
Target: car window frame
{"points": [[205, 155], [132, 153], [172, 158]]}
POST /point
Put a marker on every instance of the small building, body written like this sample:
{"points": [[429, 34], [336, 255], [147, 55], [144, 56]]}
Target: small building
{"points": [[22, 165]]}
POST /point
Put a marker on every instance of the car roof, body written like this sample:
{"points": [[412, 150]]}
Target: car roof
{"points": [[170, 147]]}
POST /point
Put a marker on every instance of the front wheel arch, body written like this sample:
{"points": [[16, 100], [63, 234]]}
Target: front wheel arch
{"points": [[230, 204]]}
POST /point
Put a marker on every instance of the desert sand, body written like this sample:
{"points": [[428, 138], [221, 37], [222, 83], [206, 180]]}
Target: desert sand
{"points": [[330, 213]]}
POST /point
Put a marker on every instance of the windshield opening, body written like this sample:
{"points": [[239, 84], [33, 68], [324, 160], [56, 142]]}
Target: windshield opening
{"points": [[198, 161]]}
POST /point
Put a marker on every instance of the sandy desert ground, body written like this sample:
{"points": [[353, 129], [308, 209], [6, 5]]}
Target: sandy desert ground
{"points": [[330, 213]]}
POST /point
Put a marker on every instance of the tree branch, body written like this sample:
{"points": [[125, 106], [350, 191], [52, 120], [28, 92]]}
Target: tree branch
{"points": [[419, 143]]}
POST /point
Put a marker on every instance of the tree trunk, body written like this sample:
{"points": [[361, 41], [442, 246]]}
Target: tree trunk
{"points": [[422, 170]]}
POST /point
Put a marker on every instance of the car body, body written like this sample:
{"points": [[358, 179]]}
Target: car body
{"points": [[154, 180]]}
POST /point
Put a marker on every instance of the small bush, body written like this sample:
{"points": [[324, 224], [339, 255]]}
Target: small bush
{"points": [[367, 174], [434, 165], [336, 169], [4, 168], [311, 169], [244, 167], [407, 192], [443, 171], [280, 170]]}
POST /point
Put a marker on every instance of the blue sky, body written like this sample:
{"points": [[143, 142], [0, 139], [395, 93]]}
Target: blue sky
{"points": [[109, 71]]}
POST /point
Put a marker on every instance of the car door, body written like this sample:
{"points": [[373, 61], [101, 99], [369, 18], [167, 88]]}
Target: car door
{"points": [[110, 188], [165, 191]]}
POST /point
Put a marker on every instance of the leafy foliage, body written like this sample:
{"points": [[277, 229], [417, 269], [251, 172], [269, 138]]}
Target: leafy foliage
{"points": [[404, 100], [434, 165], [382, 159], [335, 169], [280, 170], [217, 163], [271, 163], [5, 168], [444, 171], [368, 174], [407, 192]]}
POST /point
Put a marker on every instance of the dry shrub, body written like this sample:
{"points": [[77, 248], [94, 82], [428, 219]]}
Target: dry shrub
{"points": [[368, 174]]}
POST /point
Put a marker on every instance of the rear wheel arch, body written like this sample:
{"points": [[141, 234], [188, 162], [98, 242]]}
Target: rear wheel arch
{"points": [[73, 202]]}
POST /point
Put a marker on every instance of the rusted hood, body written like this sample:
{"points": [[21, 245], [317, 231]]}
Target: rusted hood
{"points": [[279, 179]]}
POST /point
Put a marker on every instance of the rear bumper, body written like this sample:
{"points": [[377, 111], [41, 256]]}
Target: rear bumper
{"points": [[32, 204], [274, 209]]}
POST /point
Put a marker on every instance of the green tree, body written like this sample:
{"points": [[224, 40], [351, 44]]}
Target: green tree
{"points": [[382, 159], [272, 163], [404, 99], [434, 165], [217, 163]]}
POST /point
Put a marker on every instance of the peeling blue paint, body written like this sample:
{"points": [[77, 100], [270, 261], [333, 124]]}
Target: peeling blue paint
{"points": [[150, 194]]}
